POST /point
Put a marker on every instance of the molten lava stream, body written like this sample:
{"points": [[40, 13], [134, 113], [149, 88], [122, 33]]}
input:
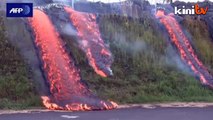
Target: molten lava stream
{"points": [[185, 49], [205, 76], [187, 43], [90, 42], [66, 88]]}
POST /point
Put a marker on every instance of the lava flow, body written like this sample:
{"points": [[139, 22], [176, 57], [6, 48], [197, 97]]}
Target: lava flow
{"points": [[185, 49], [66, 88], [90, 41]]}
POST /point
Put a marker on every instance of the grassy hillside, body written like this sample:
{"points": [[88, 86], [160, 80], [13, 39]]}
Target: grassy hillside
{"points": [[16, 87], [145, 66], [143, 69]]}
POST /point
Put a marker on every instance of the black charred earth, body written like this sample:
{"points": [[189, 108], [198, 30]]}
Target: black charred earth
{"points": [[146, 66]]}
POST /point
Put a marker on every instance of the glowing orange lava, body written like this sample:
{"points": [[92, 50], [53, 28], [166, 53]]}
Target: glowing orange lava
{"points": [[66, 88], [91, 43], [185, 49]]}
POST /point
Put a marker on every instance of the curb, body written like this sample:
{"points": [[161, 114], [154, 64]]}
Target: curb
{"points": [[144, 106], [169, 105]]}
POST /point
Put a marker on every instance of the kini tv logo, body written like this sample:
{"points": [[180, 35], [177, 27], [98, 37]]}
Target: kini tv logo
{"points": [[195, 10], [19, 10]]}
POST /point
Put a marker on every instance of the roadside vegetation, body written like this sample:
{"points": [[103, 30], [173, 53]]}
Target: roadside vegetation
{"points": [[145, 67], [16, 86]]}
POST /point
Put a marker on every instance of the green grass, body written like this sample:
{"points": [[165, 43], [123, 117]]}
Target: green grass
{"points": [[16, 86], [142, 75], [141, 70], [169, 89]]}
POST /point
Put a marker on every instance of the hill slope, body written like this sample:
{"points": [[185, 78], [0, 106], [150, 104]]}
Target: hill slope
{"points": [[146, 67], [16, 86]]}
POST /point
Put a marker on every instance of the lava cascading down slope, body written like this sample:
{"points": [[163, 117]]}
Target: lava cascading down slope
{"points": [[67, 90], [185, 49], [90, 41]]}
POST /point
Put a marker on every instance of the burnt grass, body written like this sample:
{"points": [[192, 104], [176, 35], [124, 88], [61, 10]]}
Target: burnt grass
{"points": [[144, 69]]}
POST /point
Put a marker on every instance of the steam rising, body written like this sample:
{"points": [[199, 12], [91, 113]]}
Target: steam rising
{"points": [[181, 42]]}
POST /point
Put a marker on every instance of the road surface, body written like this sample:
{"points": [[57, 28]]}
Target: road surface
{"points": [[119, 114]]}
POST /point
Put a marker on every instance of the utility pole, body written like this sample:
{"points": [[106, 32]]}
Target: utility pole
{"points": [[73, 3], [168, 1]]}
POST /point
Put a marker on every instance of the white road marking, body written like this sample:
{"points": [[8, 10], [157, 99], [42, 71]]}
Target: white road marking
{"points": [[69, 116], [114, 119]]}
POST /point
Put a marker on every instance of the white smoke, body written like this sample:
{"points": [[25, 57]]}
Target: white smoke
{"points": [[69, 30], [169, 58], [133, 46], [173, 59]]}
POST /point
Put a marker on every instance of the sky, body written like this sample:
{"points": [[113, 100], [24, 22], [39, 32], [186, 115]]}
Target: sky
{"points": [[151, 1]]}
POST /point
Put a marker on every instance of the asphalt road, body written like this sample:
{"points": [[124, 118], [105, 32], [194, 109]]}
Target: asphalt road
{"points": [[119, 114]]}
